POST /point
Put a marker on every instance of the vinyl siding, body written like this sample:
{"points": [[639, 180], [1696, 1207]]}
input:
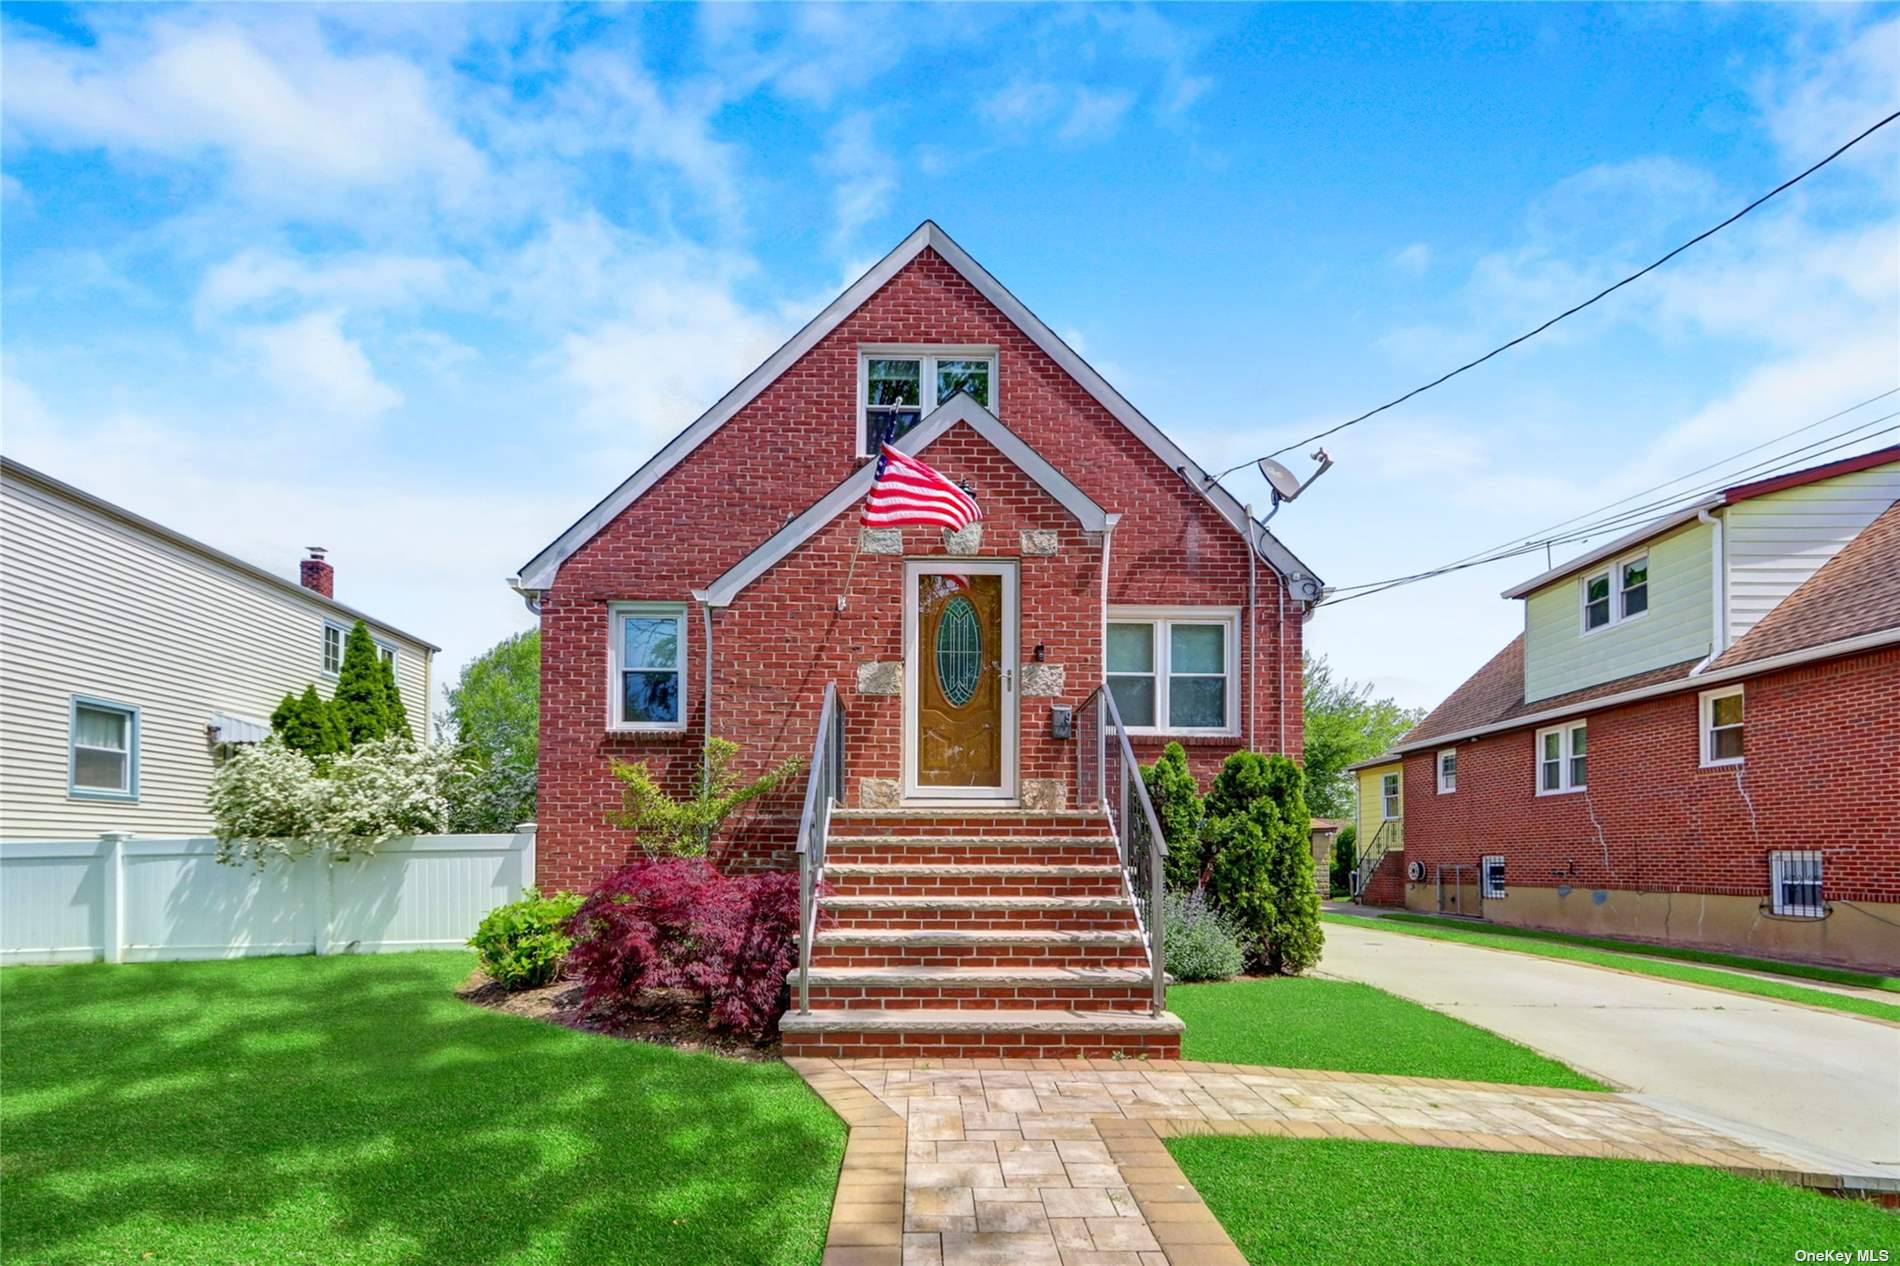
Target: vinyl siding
{"points": [[1560, 657], [93, 606], [1370, 809], [1775, 542]]}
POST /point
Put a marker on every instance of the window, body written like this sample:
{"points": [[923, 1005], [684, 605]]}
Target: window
{"points": [[649, 666], [1563, 759], [898, 386], [1617, 593], [1722, 727], [1492, 868], [1794, 884], [1175, 672], [1389, 804], [104, 741], [387, 654], [333, 635], [1448, 771]]}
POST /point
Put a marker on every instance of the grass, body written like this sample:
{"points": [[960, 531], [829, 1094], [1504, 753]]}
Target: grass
{"points": [[1332, 1200], [1306, 1022], [1525, 942], [352, 1110]]}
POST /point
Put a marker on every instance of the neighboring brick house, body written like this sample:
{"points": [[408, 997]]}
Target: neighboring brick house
{"points": [[1692, 741], [729, 578]]}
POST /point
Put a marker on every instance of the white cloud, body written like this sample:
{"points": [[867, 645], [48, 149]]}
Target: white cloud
{"points": [[864, 176], [296, 121], [1415, 259], [310, 358], [256, 278], [1076, 113]]}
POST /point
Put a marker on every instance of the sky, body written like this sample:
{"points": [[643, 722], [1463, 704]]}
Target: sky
{"points": [[422, 284]]}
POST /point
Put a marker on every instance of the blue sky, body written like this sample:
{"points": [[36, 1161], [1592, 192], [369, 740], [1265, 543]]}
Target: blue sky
{"points": [[422, 283]]}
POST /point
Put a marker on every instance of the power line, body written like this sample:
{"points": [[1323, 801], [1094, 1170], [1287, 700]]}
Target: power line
{"points": [[1799, 456], [1572, 311]]}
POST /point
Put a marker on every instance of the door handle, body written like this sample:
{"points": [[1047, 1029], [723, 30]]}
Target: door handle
{"points": [[1009, 680]]}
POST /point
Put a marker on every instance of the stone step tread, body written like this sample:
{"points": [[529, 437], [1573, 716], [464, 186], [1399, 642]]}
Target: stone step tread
{"points": [[974, 936], [1001, 870], [835, 840], [975, 809], [1001, 1020], [971, 977], [933, 901]]}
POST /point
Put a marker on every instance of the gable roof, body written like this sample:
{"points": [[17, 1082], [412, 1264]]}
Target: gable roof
{"points": [[1726, 497], [959, 408], [1856, 592], [539, 572]]}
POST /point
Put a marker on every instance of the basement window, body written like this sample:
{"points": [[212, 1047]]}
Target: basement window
{"points": [[899, 385], [1492, 868], [1794, 884]]}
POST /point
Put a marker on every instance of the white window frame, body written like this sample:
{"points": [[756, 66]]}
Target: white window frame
{"points": [[929, 354], [387, 653], [1612, 575], [1391, 795], [1446, 786], [129, 793], [616, 648], [1161, 620], [323, 647], [1492, 892], [1706, 727], [1778, 865], [1566, 757]]}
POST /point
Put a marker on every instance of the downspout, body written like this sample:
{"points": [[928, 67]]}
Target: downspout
{"points": [[1718, 590], [1108, 534], [1279, 632], [1253, 635]]}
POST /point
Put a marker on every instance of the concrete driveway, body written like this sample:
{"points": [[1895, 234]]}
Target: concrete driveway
{"points": [[1821, 1086]]}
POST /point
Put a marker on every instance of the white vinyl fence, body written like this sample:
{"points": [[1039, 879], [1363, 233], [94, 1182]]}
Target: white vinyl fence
{"points": [[124, 899]]}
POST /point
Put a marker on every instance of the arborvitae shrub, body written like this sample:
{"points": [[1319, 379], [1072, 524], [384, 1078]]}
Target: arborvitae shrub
{"points": [[362, 698], [1178, 807], [307, 723], [1259, 837]]}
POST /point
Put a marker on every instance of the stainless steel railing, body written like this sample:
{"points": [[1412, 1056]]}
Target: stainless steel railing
{"points": [[824, 789], [1107, 774]]}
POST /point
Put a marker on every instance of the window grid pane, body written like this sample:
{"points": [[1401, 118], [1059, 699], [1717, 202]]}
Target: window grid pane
{"points": [[1131, 648], [1134, 698]]}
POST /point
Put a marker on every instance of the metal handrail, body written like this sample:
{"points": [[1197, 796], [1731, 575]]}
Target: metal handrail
{"points": [[1391, 833], [1130, 813], [824, 788]]}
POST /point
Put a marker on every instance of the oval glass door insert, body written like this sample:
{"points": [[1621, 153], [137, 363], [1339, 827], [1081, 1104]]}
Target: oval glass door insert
{"points": [[959, 651]]}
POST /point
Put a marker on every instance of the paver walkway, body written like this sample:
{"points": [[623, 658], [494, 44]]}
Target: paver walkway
{"points": [[1061, 1163]]}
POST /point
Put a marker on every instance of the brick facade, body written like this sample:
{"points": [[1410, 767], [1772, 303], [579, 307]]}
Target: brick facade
{"points": [[783, 639], [1820, 773]]}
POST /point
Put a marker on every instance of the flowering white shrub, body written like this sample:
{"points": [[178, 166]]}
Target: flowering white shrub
{"points": [[270, 800]]}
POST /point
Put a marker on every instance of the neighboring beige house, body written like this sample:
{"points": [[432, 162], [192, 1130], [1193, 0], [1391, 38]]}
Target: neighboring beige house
{"points": [[130, 654]]}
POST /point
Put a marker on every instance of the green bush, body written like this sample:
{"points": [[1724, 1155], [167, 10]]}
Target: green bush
{"points": [[1198, 942], [523, 944], [682, 828], [1345, 859], [362, 688], [1259, 837], [307, 723], [1178, 807]]}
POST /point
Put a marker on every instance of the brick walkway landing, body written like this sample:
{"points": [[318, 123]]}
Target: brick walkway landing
{"points": [[1009, 1162]]}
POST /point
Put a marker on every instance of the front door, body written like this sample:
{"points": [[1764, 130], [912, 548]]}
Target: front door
{"points": [[959, 680]]}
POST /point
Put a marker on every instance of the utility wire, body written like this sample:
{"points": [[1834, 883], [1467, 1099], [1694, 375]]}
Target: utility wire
{"points": [[1652, 511], [1572, 311]]}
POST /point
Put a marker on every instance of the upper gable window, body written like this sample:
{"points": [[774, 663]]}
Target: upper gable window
{"points": [[898, 386], [1615, 593]]}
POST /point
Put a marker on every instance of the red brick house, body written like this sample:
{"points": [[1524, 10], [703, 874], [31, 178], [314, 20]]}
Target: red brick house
{"points": [[727, 584], [1691, 741]]}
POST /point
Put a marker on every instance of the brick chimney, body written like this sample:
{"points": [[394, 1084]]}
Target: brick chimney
{"points": [[317, 574]]}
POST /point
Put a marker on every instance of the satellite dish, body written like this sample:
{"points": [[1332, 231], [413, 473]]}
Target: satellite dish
{"points": [[1283, 482]]}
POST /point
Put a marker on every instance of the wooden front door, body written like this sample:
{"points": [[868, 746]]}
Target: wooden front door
{"points": [[960, 680]]}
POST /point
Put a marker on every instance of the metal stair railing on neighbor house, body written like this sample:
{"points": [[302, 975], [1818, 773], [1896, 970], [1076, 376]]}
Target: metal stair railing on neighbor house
{"points": [[824, 788], [1106, 773], [1389, 836]]}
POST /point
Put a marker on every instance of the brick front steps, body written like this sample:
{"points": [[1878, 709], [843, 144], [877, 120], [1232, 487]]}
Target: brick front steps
{"points": [[966, 932]]}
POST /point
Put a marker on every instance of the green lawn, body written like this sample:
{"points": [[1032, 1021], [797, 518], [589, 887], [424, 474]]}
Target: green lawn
{"points": [[352, 1110], [1583, 950], [1307, 1022], [1331, 1200]]}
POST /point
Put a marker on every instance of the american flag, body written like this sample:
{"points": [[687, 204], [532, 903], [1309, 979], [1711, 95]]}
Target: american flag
{"points": [[907, 492]]}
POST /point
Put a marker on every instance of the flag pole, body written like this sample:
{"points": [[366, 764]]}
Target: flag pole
{"points": [[848, 571]]}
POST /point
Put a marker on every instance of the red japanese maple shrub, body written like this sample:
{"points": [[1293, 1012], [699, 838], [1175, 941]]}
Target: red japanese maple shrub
{"points": [[680, 924]]}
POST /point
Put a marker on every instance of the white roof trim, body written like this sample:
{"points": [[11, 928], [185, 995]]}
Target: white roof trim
{"points": [[959, 408], [539, 573], [1614, 548], [1677, 685]]}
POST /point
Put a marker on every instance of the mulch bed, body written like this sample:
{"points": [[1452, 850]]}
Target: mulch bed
{"points": [[667, 1017]]}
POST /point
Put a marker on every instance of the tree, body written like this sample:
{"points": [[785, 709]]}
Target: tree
{"points": [[395, 714], [1177, 802], [362, 695], [308, 724], [1345, 858], [1259, 838], [495, 713], [1344, 725]]}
